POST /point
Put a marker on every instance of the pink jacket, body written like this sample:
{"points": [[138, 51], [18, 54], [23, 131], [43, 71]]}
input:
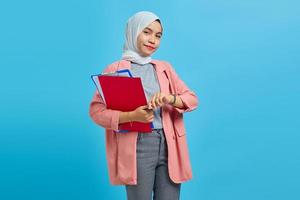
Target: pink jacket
{"points": [[121, 147]]}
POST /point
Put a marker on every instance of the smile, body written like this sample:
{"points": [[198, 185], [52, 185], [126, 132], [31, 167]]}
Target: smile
{"points": [[149, 47]]}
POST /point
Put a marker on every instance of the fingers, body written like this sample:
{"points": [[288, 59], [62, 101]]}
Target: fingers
{"points": [[147, 116], [150, 118], [157, 100], [144, 107], [149, 105], [165, 100], [144, 114], [152, 101], [145, 111]]}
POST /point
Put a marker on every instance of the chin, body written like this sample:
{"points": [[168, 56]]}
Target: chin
{"points": [[146, 54]]}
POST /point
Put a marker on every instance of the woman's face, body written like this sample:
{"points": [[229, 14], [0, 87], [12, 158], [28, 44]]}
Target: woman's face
{"points": [[149, 39]]}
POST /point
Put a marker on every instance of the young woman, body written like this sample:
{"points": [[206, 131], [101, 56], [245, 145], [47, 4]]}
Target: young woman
{"points": [[156, 162]]}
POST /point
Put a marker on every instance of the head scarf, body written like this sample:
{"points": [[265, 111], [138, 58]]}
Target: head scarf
{"points": [[134, 27]]}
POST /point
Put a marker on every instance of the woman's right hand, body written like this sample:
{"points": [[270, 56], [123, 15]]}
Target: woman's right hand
{"points": [[142, 114]]}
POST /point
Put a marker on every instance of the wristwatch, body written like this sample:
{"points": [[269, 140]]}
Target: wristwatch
{"points": [[174, 99]]}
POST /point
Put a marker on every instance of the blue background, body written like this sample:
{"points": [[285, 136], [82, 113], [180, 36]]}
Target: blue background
{"points": [[240, 57]]}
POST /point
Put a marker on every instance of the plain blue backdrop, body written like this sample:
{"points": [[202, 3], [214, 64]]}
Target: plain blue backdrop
{"points": [[240, 57]]}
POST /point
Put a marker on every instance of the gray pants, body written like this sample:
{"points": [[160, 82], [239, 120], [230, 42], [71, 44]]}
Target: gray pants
{"points": [[152, 169]]}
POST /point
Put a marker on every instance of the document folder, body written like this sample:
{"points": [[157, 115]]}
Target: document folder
{"points": [[124, 93], [95, 78]]}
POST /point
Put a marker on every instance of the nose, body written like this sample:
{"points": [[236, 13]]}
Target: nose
{"points": [[152, 39]]}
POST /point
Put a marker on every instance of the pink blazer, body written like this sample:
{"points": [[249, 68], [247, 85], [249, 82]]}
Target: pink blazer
{"points": [[121, 147]]}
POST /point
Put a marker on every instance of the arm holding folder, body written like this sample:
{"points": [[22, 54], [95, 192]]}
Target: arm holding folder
{"points": [[125, 103], [185, 100]]}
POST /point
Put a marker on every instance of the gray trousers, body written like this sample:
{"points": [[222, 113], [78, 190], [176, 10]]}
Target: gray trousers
{"points": [[152, 169]]}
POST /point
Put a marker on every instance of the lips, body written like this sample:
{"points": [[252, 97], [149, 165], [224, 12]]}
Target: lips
{"points": [[149, 47]]}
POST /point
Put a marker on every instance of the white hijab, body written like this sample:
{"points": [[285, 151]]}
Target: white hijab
{"points": [[135, 25]]}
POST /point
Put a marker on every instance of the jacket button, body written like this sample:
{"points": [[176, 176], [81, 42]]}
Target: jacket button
{"points": [[173, 137]]}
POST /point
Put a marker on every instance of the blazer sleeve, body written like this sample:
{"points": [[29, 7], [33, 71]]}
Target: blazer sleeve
{"points": [[188, 97], [107, 118]]}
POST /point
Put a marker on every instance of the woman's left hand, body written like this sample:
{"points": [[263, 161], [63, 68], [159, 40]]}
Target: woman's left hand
{"points": [[159, 99]]}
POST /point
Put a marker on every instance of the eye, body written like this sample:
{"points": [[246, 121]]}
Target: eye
{"points": [[158, 36], [146, 32]]}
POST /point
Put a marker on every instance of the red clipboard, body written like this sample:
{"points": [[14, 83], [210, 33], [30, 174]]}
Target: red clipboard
{"points": [[125, 94]]}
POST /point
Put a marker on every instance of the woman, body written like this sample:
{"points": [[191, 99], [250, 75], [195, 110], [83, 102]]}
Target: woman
{"points": [[158, 161]]}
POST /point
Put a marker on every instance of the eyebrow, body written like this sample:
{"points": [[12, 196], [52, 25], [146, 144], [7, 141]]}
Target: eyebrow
{"points": [[152, 30]]}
